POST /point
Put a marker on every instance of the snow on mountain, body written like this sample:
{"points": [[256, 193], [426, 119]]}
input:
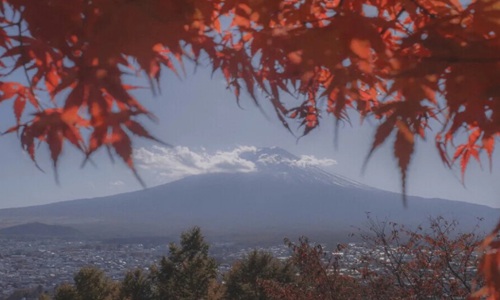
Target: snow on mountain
{"points": [[179, 162], [302, 169]]}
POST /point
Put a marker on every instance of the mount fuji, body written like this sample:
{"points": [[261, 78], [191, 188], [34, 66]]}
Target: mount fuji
{"points": [[279, 195]]}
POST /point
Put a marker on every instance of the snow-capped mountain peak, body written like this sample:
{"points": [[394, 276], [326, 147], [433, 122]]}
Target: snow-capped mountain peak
{"points": [[179, 162], [282, 163]]}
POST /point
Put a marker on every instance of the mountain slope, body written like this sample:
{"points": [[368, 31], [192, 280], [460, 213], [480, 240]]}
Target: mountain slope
{"points": [[278, 199]]}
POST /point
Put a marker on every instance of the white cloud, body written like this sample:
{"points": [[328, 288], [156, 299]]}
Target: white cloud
{"points": [[302, 162], [178, 162], [311, 161]]}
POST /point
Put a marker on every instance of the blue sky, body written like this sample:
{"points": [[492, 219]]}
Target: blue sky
{"points": [[201, 115]]}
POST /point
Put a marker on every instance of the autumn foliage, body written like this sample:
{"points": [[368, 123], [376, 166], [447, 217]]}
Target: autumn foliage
{"points": [[411, 64], [437, 262], [389, 262]]}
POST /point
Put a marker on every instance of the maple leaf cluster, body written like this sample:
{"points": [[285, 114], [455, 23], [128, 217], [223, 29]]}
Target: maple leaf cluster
{"points": [[77, 52], [412, 65], [409, 64], [427, 262]]}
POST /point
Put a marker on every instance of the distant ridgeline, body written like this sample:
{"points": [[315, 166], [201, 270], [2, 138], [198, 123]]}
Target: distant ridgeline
{"points": [[39, 230]]}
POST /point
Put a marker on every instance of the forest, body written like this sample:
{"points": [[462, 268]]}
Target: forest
{"points": [[435, 261]]}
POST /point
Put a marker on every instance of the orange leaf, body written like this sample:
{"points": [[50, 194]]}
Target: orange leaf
{"points": [[383, 132], [489, 146], [361, 48], [55, 142], [19, 105], [139, 130], [403, 150], [121, 144]]}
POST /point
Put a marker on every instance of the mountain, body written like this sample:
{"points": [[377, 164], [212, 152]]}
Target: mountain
{"points": [[284, 196], [277, 162]]}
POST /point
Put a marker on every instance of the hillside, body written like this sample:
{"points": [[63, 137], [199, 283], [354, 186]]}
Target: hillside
{"points": [[39, 230]]}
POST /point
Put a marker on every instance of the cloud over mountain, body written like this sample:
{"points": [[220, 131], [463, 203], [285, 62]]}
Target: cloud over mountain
{"points": [[178, 162]]}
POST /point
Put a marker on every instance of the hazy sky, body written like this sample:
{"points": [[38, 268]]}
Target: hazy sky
{"points": [[199, 116]]}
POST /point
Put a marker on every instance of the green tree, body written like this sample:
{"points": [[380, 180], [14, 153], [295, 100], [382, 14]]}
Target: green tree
{"points": [[137, 286], [66, 291], [188, 271], [44, 296], [90, 284], [243, 281]]}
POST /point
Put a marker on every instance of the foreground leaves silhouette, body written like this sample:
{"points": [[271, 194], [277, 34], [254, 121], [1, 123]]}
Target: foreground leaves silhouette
{"points": [[410, 64]]}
